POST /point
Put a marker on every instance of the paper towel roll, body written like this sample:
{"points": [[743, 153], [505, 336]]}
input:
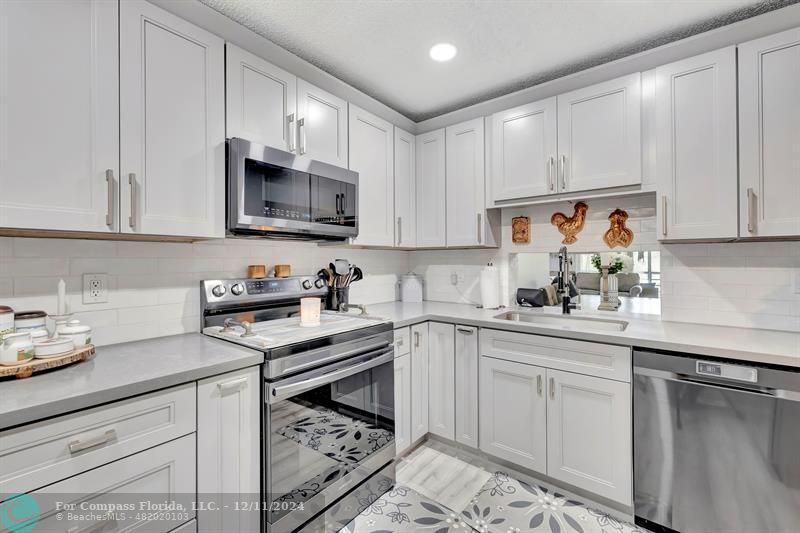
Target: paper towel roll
{"points": [[490, 287]]}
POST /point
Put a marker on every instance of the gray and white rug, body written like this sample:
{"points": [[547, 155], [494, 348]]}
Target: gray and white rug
{"points": [[503, 505]]}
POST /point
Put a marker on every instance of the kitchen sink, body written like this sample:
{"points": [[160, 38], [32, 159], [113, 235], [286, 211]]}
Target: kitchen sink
{"points": [[565, 322]]}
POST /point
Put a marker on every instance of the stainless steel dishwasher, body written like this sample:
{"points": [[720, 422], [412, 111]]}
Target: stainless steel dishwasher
{"points": [[716, 445]]}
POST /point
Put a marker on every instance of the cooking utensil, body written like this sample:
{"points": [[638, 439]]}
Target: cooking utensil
{"points": [[341, 266]]}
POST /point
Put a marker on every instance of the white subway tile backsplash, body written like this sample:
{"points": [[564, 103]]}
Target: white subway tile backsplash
{"points": [[28, 267]]}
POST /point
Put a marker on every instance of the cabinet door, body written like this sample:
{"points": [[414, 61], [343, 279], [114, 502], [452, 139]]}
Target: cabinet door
{"points": [[696, 146], [466, 385], [420, 361], [441, 380], [261, 100], [321, 125], [524, 151], [59, 115], [228, 447], [431, 198], [372, 156], [402, 403], [599, 135], [465, 183], [172, 113], [513, 412], [769, 126], [589, 434], [405, 191]]}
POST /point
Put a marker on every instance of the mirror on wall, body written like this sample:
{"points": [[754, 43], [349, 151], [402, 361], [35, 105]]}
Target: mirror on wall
{"points": [[638, 276]]}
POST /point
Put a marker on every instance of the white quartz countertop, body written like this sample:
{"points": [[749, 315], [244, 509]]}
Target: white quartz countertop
{"points": [[120, 371], [643, 331]]}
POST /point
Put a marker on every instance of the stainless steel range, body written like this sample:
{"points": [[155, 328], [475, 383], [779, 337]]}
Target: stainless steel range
{"points": [[328, 398]]}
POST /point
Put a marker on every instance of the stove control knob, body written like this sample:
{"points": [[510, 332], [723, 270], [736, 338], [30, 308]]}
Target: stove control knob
{"points": [[306, 284], [319, 283], [218, 291], [237, 289]]}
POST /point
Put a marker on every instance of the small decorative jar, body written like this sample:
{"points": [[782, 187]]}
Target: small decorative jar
{"points": [[6, 321], [17, 348], [28, 320], [80, 334]]}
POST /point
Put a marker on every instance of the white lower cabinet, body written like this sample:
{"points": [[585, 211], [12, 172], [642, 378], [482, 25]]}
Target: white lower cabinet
{"points": [[420, 360], [402, 403], [513, 412], [466, 385], [589, 434], [228, 448], [166, 471], [441, 380]]}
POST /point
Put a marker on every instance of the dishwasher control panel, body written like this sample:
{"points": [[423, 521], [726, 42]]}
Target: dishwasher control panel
{"points": [[721, 370]]}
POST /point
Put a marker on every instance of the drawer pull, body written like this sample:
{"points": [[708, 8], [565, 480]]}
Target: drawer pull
{"points": [[399, 342], [552, 389], [465, 331], [78, 446], [233, 385], [416, 339], [539, 385], [109, 524]]}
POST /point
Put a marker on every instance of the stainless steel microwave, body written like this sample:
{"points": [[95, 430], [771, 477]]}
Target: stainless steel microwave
{"points": [[279, 194]]}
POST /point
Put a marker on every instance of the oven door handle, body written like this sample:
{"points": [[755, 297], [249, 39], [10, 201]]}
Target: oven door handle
{"points": [[277, 393]]}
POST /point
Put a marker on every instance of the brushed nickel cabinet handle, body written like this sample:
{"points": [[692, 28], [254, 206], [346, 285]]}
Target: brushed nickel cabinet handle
{"points": [[109, 524], [110, 209], [292, 133], [301, 127], [664, 215], [78, 446], [479, 228], [232, 385], [539, 385], [465, 331], [550, 165], [132, 183], [751, 223], [399, 230], [552, 388], [416, 339], [563, 173]]}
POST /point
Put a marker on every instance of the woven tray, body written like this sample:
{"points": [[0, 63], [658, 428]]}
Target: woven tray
{"points": [[84, 353]]}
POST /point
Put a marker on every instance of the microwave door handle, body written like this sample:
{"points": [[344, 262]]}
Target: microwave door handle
{"points": [[276, 393]]}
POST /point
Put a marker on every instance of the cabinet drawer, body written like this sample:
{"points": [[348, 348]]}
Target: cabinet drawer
{"points": [[38, 454], [402, 341], [590, 358], [162, 474]]}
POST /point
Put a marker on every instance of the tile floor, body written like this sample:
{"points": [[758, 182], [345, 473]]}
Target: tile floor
{"points": [[441, 490]]}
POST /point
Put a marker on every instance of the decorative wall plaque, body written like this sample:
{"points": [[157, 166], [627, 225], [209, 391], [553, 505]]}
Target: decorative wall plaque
{"points": [[569, 227], [520, 230], [618, 234]]}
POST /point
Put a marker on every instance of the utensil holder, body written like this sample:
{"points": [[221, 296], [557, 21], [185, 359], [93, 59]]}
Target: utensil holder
{"points": [[337, 297]]}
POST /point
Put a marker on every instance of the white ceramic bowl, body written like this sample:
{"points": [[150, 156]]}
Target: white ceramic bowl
{"points": [[53, 347], [80, 334]]}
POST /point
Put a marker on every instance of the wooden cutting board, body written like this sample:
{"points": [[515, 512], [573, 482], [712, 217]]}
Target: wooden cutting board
{"points": [[26, 370]]}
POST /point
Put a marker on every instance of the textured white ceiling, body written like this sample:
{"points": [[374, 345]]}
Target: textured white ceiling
{"points": [[381, 46]]}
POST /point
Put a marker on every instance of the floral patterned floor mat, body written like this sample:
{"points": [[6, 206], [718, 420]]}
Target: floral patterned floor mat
{"points": [[503, 505]]}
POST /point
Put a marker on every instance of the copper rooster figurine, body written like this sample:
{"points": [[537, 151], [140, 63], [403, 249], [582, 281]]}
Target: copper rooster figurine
{"points": [[569, 227], [618, 234]]}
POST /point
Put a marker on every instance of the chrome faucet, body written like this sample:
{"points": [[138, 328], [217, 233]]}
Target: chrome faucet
{"points": [[564, 283], [345, 307], [230, 323]]}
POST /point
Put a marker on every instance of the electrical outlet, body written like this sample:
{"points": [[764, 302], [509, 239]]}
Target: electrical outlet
{"points": [[95, 288]]}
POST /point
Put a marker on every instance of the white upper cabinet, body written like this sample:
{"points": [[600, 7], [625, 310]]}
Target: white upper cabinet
{"points": [[261, 100], [405, 188], [696, 147], [431, 198], [524, 151], [59, 118], [599, 135], [372, 156], [172, 114], [465, 183], [769, 129], [321, 125]]}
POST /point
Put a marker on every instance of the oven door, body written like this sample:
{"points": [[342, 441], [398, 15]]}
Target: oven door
{"points": [[326, 430]]}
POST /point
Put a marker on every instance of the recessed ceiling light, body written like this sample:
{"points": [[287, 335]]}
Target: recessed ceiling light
{"points": [[443, 52]]}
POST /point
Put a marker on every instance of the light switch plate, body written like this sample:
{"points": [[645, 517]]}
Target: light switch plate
{"points": [[95, 288]]}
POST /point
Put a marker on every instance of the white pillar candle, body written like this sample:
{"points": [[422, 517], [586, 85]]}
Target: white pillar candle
{"points": [[62, 298], [310, 312]]}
